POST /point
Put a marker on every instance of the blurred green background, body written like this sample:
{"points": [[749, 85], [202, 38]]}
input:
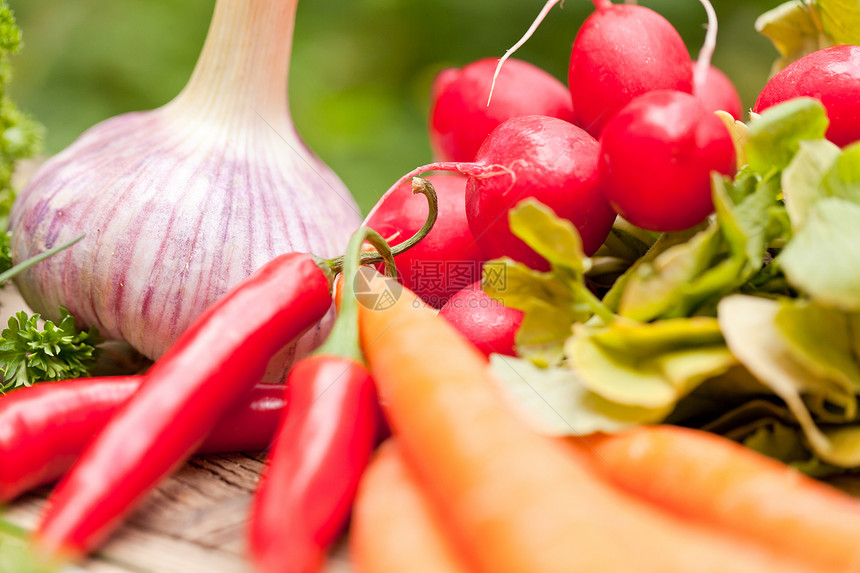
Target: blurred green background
{"points": [[361, 69]]}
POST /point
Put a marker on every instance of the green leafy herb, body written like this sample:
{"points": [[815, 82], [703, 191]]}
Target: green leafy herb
{"points": [[20, 135], [30, 354]]}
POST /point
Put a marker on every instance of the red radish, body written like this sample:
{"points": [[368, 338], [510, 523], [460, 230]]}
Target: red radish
{"points": [[551, 160], [658, 152], [486, 322], [832, 75], [621, 51], [530, 156], [460, 118], [447, 259], [719, 94], [656, 158]]}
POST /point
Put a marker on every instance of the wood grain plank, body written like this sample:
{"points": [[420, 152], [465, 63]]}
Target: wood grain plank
{"points": [[192, 523]]}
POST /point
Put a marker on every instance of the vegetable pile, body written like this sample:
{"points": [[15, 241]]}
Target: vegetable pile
{"points": [[626, 314]]}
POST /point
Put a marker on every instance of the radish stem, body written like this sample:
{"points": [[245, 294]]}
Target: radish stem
{"points": [[476, 170]]}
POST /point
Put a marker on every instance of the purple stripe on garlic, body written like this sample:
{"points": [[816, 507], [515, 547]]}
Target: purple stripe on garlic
{"points": [[182, 202]]}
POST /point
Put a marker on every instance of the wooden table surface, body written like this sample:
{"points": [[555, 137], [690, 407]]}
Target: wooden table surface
{"points": [[193, 523]]}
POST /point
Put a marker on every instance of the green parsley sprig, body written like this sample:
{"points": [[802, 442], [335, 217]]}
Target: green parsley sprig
{"points": [[30, 353]]}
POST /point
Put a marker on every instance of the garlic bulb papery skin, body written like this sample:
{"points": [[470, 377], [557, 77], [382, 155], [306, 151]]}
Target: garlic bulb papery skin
{"points": [[182, 202]]}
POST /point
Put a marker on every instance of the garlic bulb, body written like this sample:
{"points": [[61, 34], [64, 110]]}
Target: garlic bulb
{"points": [[182, 202]]}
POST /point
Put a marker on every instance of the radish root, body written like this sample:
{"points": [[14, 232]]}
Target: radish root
{"points": [[547, 7], [703, 62]]}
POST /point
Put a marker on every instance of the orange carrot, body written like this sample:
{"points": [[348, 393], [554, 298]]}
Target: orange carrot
{"points": [[711, 478], [394, 529], [514, 500]]}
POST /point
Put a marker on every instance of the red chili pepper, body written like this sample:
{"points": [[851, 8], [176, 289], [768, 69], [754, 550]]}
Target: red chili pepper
{"points": [[322, 446], [44, 428], [207, 370]]}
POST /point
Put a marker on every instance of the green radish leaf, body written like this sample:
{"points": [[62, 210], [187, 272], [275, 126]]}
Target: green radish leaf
{"points": [[650, 365], [840, 20], [823, 340], [551, 301], [777, 441], [626, 241], [549, 307], [843, 178], [795, 28], [802, 179], [775, 135], [689, 277], [750, 326], [543, 331], [516, 285], [555, 402], [656, 286], [739, 421], [785, 443], [647, 339], [822, 259], [617, 377], [552, 237], [844, 444], [613, 298], [747, 225]]}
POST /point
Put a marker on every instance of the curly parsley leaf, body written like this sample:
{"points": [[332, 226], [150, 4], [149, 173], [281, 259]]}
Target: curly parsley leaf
{"points": [[30, 354]]}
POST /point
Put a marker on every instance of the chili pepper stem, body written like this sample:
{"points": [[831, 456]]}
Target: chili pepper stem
{"points": [[343, 339]]}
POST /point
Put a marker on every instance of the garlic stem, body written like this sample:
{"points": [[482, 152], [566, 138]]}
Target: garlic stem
{"points": [[241, 76]]}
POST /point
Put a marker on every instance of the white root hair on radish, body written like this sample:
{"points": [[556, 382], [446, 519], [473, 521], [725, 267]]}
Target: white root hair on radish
{"points": [[703, 62], [510, 52]]}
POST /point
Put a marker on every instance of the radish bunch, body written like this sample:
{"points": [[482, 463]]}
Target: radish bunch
{"points": [[633, 133], [635, 88]]}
